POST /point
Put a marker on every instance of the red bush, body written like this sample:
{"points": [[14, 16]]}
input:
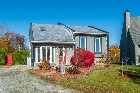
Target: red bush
{"points": [[82, 58]]}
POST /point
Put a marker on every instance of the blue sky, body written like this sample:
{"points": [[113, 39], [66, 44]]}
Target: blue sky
{"points": [[103, 14]]}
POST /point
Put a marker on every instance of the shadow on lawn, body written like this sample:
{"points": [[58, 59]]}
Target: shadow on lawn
{"points": [[133, 73]]}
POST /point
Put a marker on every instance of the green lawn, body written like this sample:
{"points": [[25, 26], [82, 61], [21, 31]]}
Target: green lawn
{"points": [[105, 81]]}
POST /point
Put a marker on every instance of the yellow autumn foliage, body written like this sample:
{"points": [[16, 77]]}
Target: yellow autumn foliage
{"points": [[114, 54], [5, 44]]}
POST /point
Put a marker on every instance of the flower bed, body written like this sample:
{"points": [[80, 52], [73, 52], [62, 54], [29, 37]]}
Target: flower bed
{"points": [[44, 71], [84, 72]]}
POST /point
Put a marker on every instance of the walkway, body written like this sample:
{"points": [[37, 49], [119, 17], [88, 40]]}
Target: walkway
{"points": [[15, 79]]}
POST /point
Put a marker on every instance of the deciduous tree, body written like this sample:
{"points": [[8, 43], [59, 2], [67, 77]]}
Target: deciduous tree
{"points": [[114, 53], [11, 40], [17, 41], [5, 44]]}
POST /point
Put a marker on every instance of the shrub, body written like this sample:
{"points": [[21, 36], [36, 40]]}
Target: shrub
{"points": [[20, 57], [45, 65], [2, 56], [82, 58], [102, 60], [58, 68], [73, 70]]}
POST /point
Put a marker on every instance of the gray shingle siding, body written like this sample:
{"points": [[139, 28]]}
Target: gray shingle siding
{"points": [[135, 30], [91, 43]]}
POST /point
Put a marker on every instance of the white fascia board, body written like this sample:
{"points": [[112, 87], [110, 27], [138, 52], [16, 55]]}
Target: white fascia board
{"points": [[53, 42], [90, 33]]}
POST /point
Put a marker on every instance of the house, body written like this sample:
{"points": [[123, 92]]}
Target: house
{"points": [[130, 39], [55, 41]]}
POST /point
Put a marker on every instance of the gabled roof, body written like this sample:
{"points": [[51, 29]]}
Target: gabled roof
{"points": [[48, 32], [135, 30], [60, 32], [87, 30]]}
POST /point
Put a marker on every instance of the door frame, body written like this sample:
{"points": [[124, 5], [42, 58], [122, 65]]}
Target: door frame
{"points": [[60, 49]]}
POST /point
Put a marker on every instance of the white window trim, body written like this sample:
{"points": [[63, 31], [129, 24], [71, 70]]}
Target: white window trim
{"points": [[36, 53], [46, 53], [54, 54], [41, 53], [99, 45], [50, 54], [106, 43], [85, 41]]}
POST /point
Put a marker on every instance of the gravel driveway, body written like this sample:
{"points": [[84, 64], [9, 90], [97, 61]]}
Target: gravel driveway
{"points": [[15, 79]]}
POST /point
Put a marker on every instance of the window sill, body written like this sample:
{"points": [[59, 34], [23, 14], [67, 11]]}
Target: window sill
{"points": [[98, 53], [38, 62]]}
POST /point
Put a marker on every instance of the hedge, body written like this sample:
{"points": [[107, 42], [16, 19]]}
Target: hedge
{"points": [[2, 56], [20, 57]]}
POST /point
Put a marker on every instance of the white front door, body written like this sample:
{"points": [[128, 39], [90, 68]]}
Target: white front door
{"points": [[44, 52]]}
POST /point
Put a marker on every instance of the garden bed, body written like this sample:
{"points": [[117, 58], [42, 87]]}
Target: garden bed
{"points": [[100, 81], [83, 72]]}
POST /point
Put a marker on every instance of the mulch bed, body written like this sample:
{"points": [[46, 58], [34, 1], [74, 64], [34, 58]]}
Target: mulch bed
{"points": [[44, 71], [84, 72]]}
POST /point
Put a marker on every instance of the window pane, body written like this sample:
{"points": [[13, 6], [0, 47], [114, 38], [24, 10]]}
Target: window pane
{"points": [[82, 42], [48, 53], [53, 54], [98, 46], [44, 52], [61, 52], [38, 50]]}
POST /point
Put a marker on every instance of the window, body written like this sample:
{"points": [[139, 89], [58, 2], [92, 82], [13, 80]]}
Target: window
{"points": [[83, 42], [37, 54], [48, 53], [43, 52], [97, 45], [53, 54], [61, 52]]}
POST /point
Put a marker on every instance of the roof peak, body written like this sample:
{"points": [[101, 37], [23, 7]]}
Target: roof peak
{"points": [[43, 24], [127, 11], [135, 17]]}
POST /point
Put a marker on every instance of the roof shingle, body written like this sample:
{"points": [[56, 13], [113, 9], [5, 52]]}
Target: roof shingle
{"points": [[51, 33], [135, 30], [60, 33], [86, 29]]}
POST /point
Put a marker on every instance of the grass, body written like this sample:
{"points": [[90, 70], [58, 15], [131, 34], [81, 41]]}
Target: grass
{"points": [[103, 81]]}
